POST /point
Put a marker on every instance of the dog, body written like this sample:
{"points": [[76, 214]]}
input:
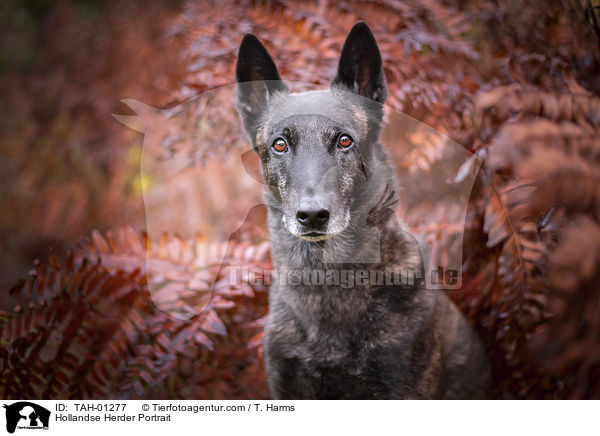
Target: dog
{"points": [[329, 187]]}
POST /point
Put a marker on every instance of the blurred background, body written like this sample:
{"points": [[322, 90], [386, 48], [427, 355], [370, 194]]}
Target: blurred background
{"points": [[512, 82]]}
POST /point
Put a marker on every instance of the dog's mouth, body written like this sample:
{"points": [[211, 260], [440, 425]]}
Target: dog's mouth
{"points": [[316, 236]]}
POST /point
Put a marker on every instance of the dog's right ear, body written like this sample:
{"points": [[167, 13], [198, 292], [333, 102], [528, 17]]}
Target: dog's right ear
{"points": [[257, 78]]}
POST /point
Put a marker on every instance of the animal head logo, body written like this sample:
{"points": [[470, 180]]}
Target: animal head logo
{"points": [[26, 415]]}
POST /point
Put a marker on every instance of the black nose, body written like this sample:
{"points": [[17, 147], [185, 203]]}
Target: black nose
{"points": [[315, 219]]}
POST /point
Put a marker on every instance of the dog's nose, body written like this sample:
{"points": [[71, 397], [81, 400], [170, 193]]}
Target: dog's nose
{"points": [[315, 219]]}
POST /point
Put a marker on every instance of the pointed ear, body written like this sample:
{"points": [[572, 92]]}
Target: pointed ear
{"points": [[255, 66], [360, 68]]}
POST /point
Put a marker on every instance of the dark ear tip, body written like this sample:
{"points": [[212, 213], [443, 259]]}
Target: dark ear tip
{"points": [[249, 38], [249, 48], [249, 41], [361, 25], [361, 28]]}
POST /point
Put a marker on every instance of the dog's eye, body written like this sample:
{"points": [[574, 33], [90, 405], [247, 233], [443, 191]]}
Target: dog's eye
{"points": [[345, 141], [280, 145]]}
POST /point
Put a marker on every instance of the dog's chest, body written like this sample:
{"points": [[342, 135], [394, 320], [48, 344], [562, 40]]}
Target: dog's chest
{"points": [[340, 366]]}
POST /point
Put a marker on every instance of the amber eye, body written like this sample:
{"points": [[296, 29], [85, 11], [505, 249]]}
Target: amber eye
{"points": [[280, 145], [345, 141]]}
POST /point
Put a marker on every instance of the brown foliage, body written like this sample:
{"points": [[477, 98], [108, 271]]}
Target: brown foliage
{"points": [[71, 166], [88, 327], [538, 301], [513, 82]]}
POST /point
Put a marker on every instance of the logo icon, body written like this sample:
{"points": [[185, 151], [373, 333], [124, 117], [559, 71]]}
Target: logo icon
{"points": [[26, 415]]}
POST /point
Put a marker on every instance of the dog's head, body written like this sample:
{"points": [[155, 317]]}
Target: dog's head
{"points": [[315, 147]]}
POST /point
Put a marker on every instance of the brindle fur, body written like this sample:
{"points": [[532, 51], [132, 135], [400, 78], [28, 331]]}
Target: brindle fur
{"points": [[327, 341]]}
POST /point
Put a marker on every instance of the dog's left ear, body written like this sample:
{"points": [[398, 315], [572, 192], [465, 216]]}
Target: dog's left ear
{"points": [[255, 66], [360, 68]]}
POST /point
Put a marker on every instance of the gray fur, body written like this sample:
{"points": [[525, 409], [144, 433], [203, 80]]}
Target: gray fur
{"points": [[328, 341]]}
